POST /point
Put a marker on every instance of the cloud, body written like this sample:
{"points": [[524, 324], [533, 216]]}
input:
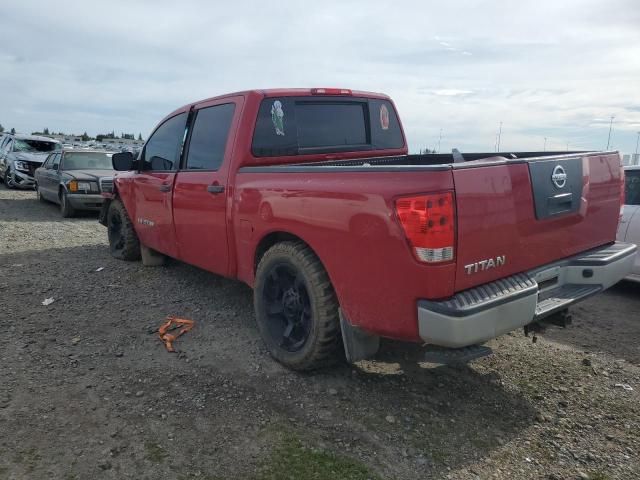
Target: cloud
{"points": [[451, 92], [545, 69]]}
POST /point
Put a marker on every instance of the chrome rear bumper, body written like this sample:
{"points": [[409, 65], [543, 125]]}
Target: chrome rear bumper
{"points": [[481, 313]]}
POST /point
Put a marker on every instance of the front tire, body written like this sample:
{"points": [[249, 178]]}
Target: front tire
{"points": [[123, 240], [9, 182], [66, 209], [296, 307]]}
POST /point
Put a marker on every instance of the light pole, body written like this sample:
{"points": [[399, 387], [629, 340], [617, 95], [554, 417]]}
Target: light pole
{"points": [[545, 144], [499, 138], [637, 142], [439, 139], [610, 128]]}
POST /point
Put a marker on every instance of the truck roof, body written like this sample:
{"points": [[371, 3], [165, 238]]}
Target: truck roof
{"points": [[283, 92]]}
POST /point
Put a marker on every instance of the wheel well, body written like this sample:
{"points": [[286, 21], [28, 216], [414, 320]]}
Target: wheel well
{"points": [[270, 240]]}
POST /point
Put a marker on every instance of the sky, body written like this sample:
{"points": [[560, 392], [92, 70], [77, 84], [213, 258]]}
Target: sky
{"points": [[555, 69]]}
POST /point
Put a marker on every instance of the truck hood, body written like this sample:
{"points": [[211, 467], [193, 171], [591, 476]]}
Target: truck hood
{"points": [[38, 157], [89, 175]]}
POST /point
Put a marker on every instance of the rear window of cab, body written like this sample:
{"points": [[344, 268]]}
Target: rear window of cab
{"points": [[309, 125]]}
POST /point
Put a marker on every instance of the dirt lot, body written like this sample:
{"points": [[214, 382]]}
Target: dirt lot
{"points": [[88, 391]]}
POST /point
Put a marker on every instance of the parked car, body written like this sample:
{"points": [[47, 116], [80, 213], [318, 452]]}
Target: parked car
{"points": [[629, 229], [75, 179], [309, 197], [21, 155]]}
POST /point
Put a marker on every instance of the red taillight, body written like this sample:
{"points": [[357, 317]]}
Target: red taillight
{"points": [[430, 225], [330, 91]]}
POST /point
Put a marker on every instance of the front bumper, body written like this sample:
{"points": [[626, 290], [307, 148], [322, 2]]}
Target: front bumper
{"points": [[85, 201], [23, 179], [481, 313]]}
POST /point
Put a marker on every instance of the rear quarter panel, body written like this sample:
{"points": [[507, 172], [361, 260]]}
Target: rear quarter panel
{"points": [[348, 219]]}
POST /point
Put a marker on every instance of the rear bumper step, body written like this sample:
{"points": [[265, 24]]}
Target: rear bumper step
{"points": [[481, 313]]}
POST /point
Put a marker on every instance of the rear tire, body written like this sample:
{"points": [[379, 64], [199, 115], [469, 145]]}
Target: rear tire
{"points": [[66, 209], [123, 240], [296, 307]]}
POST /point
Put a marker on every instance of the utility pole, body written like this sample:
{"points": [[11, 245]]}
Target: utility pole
{"points": [[499, 138], [636, 159], [545, 144], [567, 146], [637, 143], [610, 128], [439, 140]]}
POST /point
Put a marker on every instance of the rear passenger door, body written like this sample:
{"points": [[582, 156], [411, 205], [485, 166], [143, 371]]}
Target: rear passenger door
{"points": [[201, 189]]}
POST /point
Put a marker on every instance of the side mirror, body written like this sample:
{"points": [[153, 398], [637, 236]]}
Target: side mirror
{"points": [[55, 166], [122, 161]]}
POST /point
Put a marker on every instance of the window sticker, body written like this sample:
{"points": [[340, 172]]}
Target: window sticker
{"points": [[277, 117], [384, 117]]}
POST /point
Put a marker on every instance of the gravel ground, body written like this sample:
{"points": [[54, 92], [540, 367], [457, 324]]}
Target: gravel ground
{"points": [[87, 389]]}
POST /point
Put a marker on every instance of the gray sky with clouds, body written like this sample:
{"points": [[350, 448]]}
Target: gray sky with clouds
{"points": [[556, 69]]}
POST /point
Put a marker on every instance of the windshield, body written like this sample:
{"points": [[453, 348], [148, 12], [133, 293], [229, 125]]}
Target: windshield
{"points": [[34, 146], [632, 187], [87, 161]]}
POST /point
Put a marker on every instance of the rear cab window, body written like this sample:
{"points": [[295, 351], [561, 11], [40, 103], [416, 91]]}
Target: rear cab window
{"points": [[311, 125]]}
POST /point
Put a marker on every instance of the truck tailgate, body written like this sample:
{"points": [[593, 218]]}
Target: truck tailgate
{"points": [[517, 215]]}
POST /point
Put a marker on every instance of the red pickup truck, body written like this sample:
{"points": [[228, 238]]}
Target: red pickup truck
{"points": [[309, 196]]}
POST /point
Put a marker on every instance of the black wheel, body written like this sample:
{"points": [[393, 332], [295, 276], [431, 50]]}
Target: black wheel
{"points": [[66, 209], [296, 307], [123, 241], [9, 181]]}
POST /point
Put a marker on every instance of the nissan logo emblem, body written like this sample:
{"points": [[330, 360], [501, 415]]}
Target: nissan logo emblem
{"points": [[559, 176]]}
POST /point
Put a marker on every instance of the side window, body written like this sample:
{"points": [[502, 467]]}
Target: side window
{"points": [[48, 162], [209, 137], [7, 146], [162, 151], [632, 187], [56, 161]]}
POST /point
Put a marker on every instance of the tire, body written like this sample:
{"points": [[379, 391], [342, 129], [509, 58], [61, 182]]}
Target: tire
{"points": [[8, 181], [123, 240], [66, 209], [296, 307]]}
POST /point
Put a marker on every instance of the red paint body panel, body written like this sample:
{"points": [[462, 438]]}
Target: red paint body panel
{"points": [[348, 218]]}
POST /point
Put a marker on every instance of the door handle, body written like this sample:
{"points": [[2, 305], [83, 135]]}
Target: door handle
{"points": [[215, 189], [164, 188]]}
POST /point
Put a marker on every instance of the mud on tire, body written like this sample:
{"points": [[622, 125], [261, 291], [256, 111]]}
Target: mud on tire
{"points": [[123, 240], [296, 307]]}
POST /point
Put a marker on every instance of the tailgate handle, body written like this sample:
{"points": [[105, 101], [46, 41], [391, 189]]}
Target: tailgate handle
{"points": [[164, 188], [215, 189], [560, 200]]}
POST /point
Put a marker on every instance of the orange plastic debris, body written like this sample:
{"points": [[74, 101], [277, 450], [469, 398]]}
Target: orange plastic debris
{"points": [[166, 327]]}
